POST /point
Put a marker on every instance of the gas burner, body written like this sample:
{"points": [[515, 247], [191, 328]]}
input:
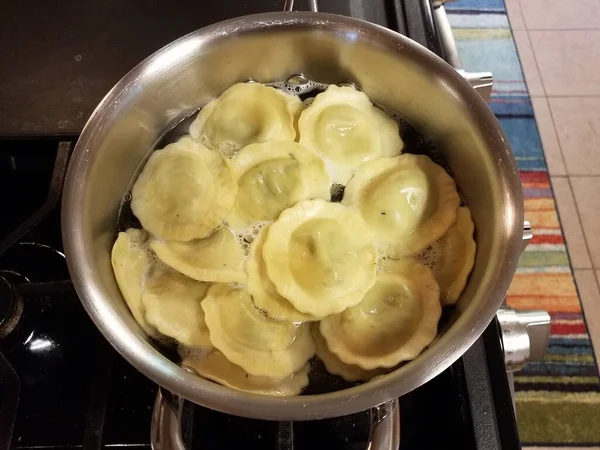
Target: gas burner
{"points": [[27, 262], [180, 425], [11, 307]]}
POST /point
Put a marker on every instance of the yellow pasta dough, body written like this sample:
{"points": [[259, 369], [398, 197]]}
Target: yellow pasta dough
{"points": [[217, 258], [183, 192], [172, 304], [259, 345], [344, 127], [130, 262], [216, 367], [336, 366], [244, 114], [458, 257], [273, 176], [263, 291], [320, 257], [407, 202], [394, 322]]}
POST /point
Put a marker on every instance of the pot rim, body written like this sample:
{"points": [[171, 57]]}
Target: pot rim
{"points": [[133, 345]]}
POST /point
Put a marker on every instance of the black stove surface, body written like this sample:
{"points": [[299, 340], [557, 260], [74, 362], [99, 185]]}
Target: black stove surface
{"points": [[61, 384]]}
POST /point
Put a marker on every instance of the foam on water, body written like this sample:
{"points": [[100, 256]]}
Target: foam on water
{"points": [[192, 352], [246, 236], [432, 255]]}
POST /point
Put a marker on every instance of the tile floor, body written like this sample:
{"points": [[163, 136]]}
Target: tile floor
{"points": [[557, 41]]}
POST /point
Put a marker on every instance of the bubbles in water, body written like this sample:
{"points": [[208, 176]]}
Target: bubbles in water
{"points": [[299, 85], [245, 237], [337, 192], [381, 262], [192, 352], [432, 255]]}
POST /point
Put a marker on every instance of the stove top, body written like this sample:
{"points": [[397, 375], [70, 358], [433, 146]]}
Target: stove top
{"points": [[61, 384]]}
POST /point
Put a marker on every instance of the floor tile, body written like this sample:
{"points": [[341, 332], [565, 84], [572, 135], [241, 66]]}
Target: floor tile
{"points": [[514, 14], [530, 69], [587, 197], [577, 123], [568, 61], [554, 158], [569, 219], [590, 300], [560, 14]]}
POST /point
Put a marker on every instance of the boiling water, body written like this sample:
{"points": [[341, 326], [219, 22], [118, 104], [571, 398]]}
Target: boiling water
{"points": [[414, 142]]}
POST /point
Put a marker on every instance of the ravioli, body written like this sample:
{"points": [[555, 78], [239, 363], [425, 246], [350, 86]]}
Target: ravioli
{"points": [[217, 258], [344, 127], [244, 114], [335, 366], [172, 305], [320, 257], [394, 322], [262, 290], [216, 367], [131, 261], [273, 176], [457, 258], [259, 345], [407, 202], [183, 192]]}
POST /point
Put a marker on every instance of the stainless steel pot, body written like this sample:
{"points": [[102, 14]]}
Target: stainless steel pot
{"points": [[396, 73]]}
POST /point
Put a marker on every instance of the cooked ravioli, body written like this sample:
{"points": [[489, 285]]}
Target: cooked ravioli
{"points": [[457, 258], [320, 257], [217, 258], [259, 345], [216, 367], [183, 192], [344, 127], [244, 114], [394, 322], [273, 176], [263, 292], [407, 202], [172, 304], [336, 366], [130, 262]]}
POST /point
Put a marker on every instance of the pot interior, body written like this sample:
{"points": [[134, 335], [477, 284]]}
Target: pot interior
{"points": [[448, 121]]}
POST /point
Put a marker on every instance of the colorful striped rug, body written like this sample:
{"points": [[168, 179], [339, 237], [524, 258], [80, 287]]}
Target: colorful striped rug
{"points": [[558, 400]]}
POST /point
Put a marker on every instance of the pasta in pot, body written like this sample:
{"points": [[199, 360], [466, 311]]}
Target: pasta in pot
{"points": [[280, 229], [244, 114], [273, 176], [183, 192], [217, 258], [261, 346], [320, 257], [172, 305], [263, 291], [216, 367], [344, 127], [131, 261], [407, 202], [394, 322]]}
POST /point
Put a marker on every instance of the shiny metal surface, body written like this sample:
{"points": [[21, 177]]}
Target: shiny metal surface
{"points": [[394, 72], [482, 82], [313, 5], [167, 416], [525, 336], [165, 428], [385, 427]]}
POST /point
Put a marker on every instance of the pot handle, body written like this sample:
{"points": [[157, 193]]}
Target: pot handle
{"points": [[480, 81], [312, 5]]}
